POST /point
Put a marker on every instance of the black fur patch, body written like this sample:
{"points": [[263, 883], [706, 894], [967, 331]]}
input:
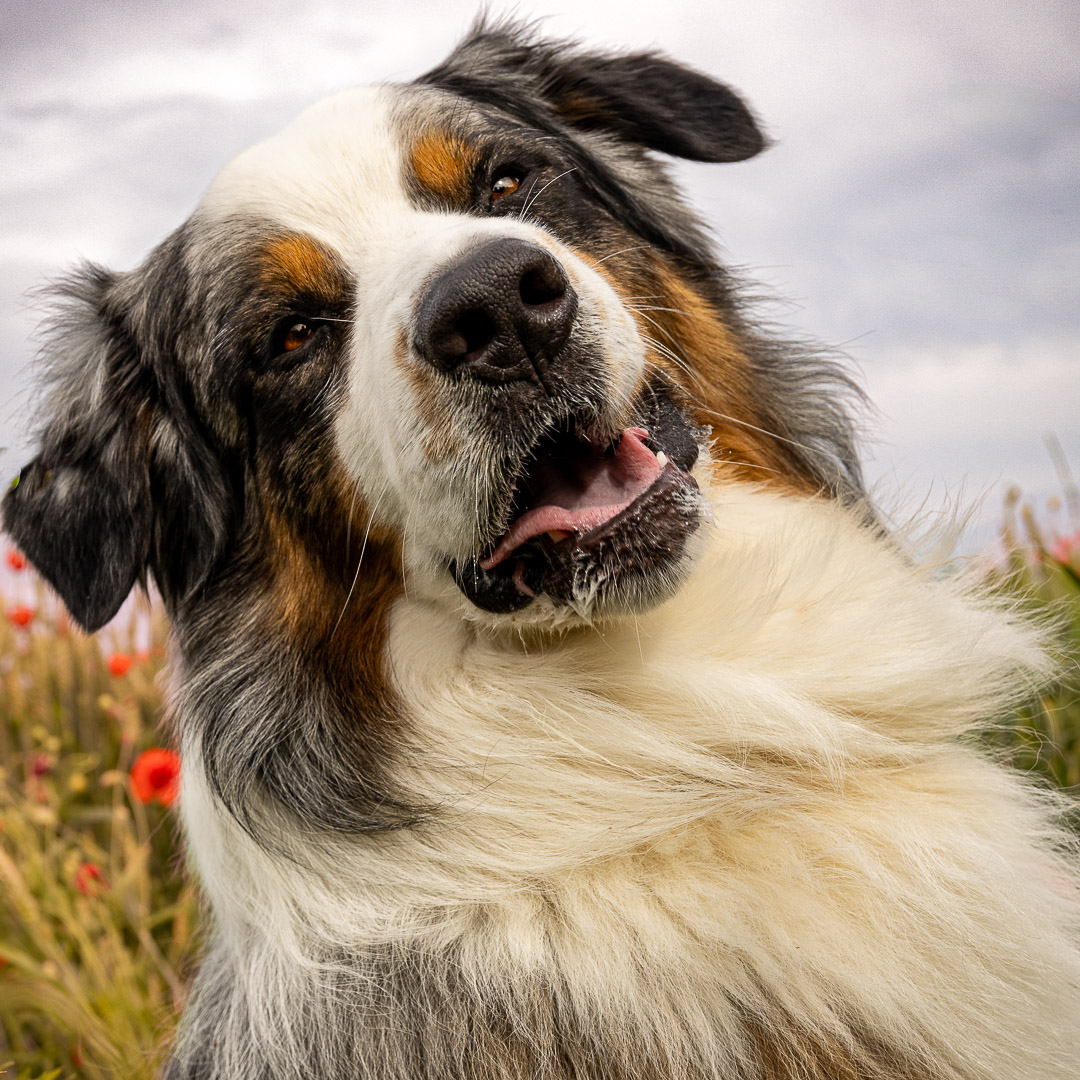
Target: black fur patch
{"points": [[123, 483], [642, 98]]}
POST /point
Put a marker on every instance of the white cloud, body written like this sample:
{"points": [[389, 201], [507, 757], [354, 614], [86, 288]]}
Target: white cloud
{"points": [[968, 393], [961, 424]]}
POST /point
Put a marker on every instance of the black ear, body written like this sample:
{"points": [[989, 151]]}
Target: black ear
{"points": [[643, 98], [648, 99], [126, 480], [80, 510]]}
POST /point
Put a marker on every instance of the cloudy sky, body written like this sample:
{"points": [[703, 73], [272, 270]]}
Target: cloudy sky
{"points": [[920, 207]]}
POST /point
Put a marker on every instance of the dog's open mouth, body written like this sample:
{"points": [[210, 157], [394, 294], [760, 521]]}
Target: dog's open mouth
{"points": [[573, 488], [591, 513]]}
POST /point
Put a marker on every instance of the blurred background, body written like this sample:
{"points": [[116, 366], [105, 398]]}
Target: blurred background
{"points": [[920, 206]]}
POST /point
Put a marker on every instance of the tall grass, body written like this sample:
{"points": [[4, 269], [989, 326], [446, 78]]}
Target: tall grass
{"points": [[96, 919], [97, 922], [1040, 569]]}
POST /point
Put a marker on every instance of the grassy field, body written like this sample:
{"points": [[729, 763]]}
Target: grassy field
{"points": [[1040, 567], [98, 926], [96, 919]]}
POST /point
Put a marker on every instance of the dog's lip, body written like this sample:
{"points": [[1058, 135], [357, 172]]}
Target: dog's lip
{"points": [[591, 498]]}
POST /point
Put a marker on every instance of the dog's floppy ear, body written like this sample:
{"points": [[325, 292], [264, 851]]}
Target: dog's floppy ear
{"points": [[643, 98], [80, 510], [648, 99], [84, 509]]}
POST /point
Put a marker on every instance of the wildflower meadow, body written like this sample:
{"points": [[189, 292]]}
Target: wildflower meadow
{"points": [[97, 919], [99, 925]]}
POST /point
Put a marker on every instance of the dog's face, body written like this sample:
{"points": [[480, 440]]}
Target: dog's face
{"points": [[487, 393], [459, 336]]}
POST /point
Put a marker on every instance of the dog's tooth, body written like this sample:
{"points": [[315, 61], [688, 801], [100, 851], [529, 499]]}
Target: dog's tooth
{"points": [[662, 458], [557, 535]]}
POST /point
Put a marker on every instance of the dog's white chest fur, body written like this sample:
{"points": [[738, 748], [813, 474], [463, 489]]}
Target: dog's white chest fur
{"points": [[750, 801]]}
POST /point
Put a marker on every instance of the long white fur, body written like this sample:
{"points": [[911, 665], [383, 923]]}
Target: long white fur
{"points": [[758, 784]]}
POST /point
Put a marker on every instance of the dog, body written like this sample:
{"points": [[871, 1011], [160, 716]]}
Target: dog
{"points": [[552, 701]]}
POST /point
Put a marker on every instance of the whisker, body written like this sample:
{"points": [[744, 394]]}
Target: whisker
{"points": [[404, 542], [674, 310], [532, 198], [623, 251], [746, 465], [771, 434], [348, 523], [663, 330], [532, 188], [359, 563], [681, 364], [476, 515]]}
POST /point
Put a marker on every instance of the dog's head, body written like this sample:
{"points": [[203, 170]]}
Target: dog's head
{"points": [[460, 337]]}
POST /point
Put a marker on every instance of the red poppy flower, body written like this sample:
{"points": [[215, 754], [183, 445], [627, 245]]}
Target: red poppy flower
{"points": [[89, 879], [16, 559], [41, 765], [1065, 547], [119, 663], [21, 615], [156, 775]]}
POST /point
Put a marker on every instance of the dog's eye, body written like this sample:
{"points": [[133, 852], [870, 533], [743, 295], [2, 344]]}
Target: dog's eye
{"points": [[504, 184], [296, 335], [292, 334]]}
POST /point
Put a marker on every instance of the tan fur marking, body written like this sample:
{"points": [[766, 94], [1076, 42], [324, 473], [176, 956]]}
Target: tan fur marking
{"points": [[693, 345], [444, 164], [296, 263], [299, 589], [336, 600], [440, 441]]}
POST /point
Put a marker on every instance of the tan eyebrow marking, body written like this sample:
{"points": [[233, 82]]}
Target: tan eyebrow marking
{"points": [[293, 263], [444, 164]]}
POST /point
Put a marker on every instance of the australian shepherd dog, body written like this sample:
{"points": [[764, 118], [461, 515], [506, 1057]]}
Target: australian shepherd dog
{"points": [[553, 704]]}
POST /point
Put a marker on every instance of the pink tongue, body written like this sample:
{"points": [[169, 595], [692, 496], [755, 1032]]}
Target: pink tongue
{"points": [[607, 490]]}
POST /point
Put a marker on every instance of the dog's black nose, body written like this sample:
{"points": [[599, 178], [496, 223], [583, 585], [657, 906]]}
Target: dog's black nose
{"points": [[499, 314]]}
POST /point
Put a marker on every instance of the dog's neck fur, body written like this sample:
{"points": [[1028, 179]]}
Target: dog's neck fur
{"points": [[757, 785]]}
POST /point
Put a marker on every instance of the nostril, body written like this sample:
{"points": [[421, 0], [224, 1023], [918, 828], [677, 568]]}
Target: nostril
{"points": [[542, 285], [474, 332], [460, 337]]}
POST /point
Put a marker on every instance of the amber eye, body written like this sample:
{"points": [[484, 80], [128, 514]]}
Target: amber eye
{"points": [[503, 185], [296, 335]]}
